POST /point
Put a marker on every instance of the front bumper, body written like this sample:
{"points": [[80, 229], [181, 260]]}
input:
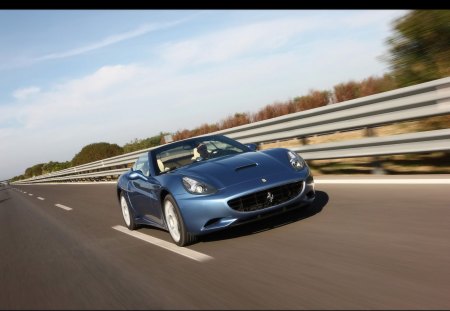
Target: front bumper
{"points": [[208, 213]]}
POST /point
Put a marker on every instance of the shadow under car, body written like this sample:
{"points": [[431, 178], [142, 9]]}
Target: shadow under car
{"points": [[271, 220]]}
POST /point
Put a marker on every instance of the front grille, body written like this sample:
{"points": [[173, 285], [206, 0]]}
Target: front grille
{"points": [[266, 198]]}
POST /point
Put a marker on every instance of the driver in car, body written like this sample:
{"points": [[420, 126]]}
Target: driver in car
{"points": [[203, 151]]}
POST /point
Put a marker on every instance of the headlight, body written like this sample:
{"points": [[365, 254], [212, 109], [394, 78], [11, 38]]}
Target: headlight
{"points": [[196, 187], [296, 161]]}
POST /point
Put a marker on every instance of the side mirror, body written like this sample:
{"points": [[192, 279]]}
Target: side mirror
{"points": [[136, 175], [252, 147]]}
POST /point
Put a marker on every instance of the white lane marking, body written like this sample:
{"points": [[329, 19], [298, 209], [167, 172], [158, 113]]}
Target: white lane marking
{"points": [[42, 199], [63, 207], [430, 181], [24, 192], [167, 245], [30, 194]]}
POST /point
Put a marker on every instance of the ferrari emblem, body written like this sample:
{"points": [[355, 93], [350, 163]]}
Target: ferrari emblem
{"points": [[263, 179]]}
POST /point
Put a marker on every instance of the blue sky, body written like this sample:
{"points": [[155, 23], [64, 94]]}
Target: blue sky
{"points": [[71, 78]]}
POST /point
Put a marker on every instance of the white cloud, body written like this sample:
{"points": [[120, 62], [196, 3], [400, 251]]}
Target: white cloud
{"points": [[77, 98], [236, 41], [104, 78], [26, 92], [141, 30], [259, 38], [360, 19]]}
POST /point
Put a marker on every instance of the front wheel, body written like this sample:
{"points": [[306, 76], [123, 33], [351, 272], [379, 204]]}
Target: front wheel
{"points": [[127, 213], [175, 223]]}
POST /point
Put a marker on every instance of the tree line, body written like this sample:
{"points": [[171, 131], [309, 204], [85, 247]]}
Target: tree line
{"points": [[90, 153]]}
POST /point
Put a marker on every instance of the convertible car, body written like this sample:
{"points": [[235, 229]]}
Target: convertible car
{"points": [[204, 184]]}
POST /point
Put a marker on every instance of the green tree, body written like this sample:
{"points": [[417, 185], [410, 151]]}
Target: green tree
{"points": [[55, 166], [139, 144], [35, 170], [96, 151], [19, 177], [420, 47]]}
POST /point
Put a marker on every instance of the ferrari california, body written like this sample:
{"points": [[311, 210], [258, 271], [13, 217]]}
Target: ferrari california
{"points": [[204, 184]]}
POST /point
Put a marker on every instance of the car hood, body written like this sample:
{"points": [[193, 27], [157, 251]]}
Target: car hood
{"points": [[231, 170]]}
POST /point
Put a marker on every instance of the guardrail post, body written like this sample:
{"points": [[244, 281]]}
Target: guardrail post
{"points": [[377, 168], [304, 140]]}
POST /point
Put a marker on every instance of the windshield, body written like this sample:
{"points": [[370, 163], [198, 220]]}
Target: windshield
{"points": [[194, 150]]}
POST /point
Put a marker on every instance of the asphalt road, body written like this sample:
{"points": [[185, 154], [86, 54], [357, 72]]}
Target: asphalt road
{"points": [[358, 247]]}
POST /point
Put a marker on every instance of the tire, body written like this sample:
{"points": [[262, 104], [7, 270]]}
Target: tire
{"points": [[175, 223], [127, 213]]}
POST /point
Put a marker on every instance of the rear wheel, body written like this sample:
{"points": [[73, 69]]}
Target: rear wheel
{"points": [[127, 213], [175, 223]]}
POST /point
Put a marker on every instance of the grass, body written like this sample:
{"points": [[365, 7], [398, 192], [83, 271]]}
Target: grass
{"points": [[428, 163]]}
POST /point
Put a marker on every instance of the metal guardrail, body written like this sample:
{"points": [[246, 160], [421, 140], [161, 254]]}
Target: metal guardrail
{"points": [[419, 101], [409, 103], [438, 140]]}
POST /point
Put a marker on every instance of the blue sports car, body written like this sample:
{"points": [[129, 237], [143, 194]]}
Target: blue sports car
{"points": [[204, 184]]}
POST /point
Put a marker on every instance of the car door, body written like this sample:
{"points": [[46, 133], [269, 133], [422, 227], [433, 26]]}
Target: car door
{"points": [[144, 193]]}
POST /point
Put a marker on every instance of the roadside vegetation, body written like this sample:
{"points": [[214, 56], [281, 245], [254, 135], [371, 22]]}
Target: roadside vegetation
{"points": [[419, 51]]}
